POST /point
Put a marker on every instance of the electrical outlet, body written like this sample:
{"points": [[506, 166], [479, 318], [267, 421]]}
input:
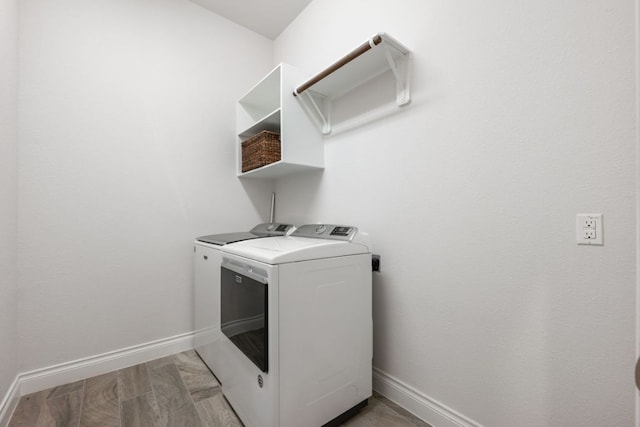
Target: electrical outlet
{"points": [[589, 229], [590, 223]]}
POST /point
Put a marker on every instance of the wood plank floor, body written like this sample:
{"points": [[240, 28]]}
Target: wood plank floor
{"points": [[175, 391]]}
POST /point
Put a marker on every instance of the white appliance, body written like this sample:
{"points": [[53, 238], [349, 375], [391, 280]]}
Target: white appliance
{"points": [[297, 326], [207, 259]]}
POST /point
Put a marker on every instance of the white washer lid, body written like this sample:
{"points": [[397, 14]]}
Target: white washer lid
{"points": [[280, 250]]}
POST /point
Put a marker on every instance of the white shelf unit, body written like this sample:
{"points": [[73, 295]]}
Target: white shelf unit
{"points": [[377, 55], [271, 105]]}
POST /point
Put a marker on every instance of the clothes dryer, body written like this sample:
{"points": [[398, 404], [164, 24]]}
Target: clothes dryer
{"points": [[296, 322]]}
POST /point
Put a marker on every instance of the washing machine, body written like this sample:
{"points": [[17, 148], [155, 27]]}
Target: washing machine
{"points": [[207, 258], [296, 323]]}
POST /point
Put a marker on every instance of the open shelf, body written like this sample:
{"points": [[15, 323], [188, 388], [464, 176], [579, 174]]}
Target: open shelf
{"points": [[278, 169], [264, 97], [270, 105], [271, 123]]}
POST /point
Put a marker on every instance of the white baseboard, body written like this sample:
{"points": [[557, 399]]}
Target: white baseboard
{"points": [[10, 401], [52, 376], [422, 406]]}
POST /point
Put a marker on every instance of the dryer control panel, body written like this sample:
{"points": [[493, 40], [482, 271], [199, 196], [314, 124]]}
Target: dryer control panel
{"points": [[327, 231]]}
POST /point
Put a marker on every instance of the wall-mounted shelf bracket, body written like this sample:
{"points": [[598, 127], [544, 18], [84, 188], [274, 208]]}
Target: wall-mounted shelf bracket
{"points": [[319, 108], [378, 54], [399, 65]]}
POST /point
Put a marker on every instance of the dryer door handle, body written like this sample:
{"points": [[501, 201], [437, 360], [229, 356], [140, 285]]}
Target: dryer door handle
{"points": [[246, 270]]}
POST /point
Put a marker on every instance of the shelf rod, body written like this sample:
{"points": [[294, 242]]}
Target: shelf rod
{"points": [[364, 47]]}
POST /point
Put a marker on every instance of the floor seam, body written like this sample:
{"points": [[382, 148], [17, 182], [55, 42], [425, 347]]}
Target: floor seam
{"points": [[156, 407], [188, 392], [118, 397], [82, 396]]}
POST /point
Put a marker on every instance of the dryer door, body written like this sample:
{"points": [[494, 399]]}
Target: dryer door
{"points": [[244, 310]]}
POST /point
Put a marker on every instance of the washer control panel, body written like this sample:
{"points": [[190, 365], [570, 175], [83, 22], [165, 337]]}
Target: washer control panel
{"points": [[271, 229], [326, 231]]}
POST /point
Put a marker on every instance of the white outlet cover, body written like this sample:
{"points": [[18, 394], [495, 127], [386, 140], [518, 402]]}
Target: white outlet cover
{"points": [[586, 233]]}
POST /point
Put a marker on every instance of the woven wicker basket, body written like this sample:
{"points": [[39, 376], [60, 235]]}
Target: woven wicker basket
{"points": [[260, 150]]}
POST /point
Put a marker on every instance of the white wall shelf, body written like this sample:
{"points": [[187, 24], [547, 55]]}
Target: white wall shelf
{"points": [[379, 54], [270, 105], [271, 123]]}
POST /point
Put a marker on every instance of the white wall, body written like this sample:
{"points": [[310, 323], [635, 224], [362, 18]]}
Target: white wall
{"points": [[522, 117], [8, 191], [126, 155]]}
